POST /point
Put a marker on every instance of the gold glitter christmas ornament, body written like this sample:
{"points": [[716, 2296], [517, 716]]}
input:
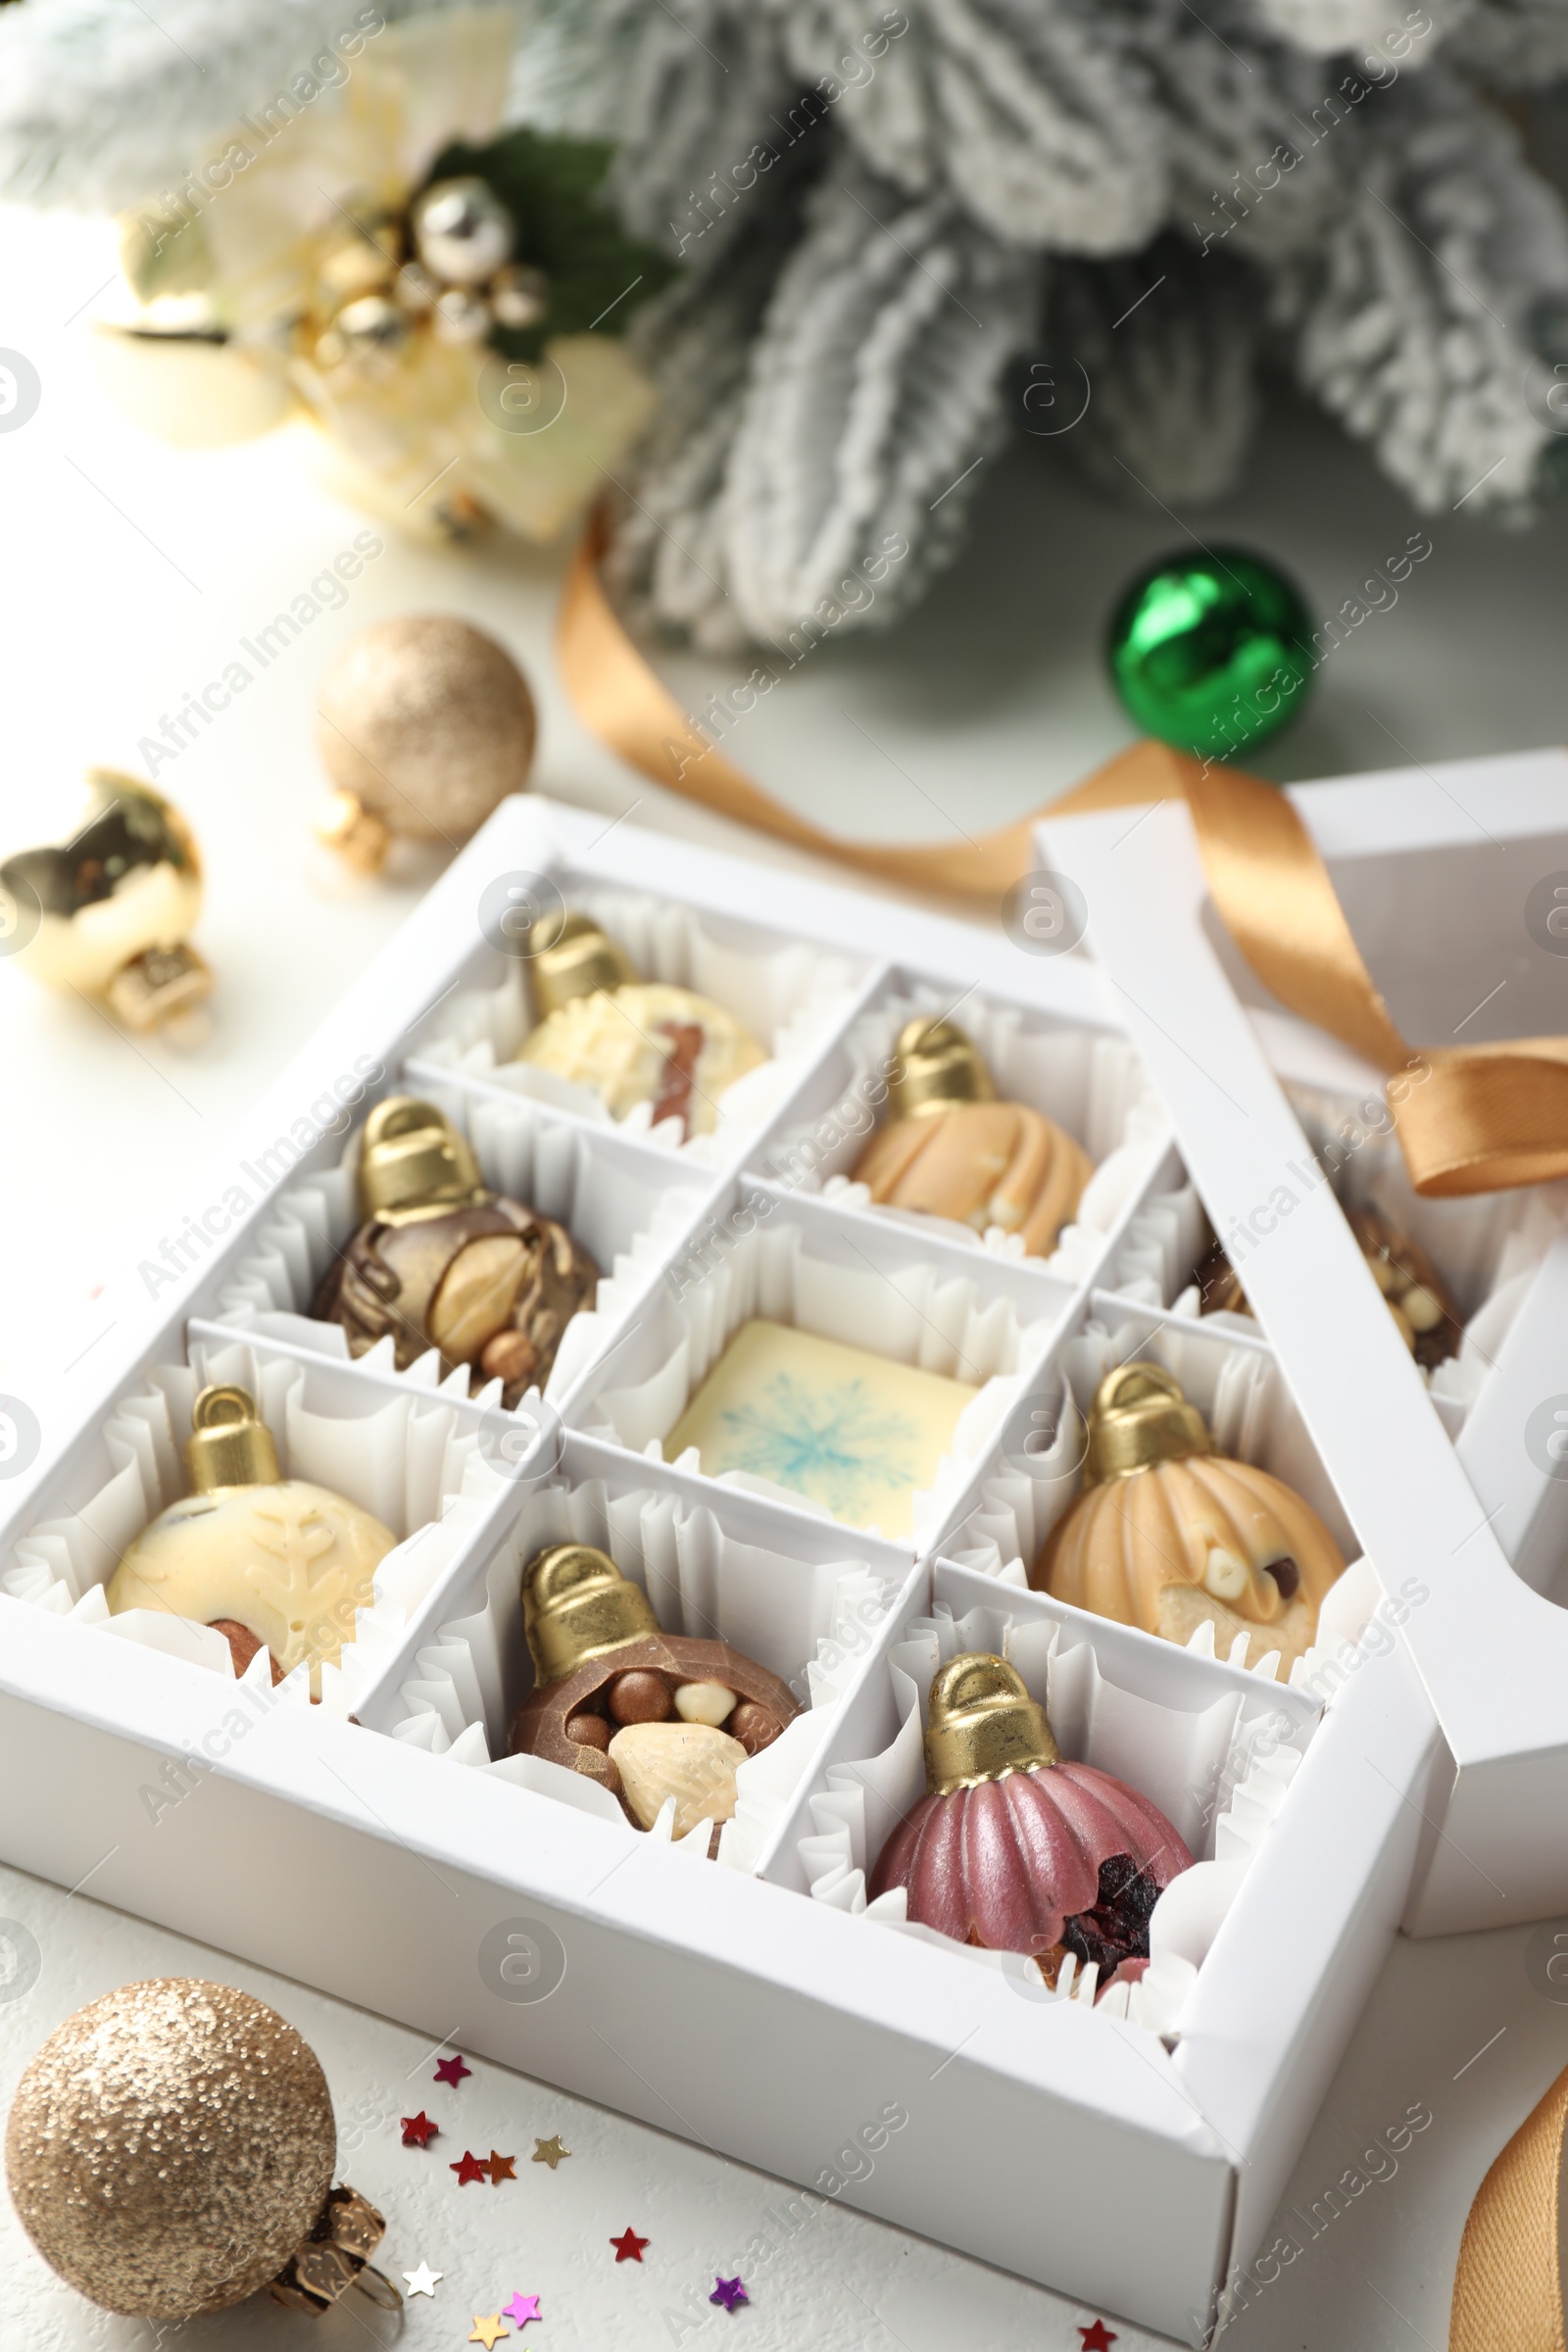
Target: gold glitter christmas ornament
{"points": [[423, 724], [169, 2151]]}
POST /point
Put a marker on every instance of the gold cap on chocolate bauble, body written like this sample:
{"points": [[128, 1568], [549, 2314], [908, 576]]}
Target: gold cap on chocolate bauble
{"points": [[575, 1605], [110, 912], [1139, 1417], [982, 1724], [938, 1067], [229, 1444], [412, 1157], [575, 958]]}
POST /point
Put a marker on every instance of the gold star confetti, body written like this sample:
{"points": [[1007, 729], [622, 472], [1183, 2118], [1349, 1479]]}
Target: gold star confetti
{"points": [[549, 2151], [487, 2331]]}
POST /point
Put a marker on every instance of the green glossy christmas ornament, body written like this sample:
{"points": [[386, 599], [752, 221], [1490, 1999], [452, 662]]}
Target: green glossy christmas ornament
{"points": [[1211, 653]]}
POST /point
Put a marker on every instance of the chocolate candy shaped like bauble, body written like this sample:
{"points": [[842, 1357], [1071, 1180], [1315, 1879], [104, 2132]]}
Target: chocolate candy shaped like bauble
{"points": [[110, 912], [441, 1262], [953, 1150], [423, 724], [648, 1715], [1424, 1311], [1016, 1849], [170, 2150], [1169, 1535], [271, 1563], [631, 1041]]}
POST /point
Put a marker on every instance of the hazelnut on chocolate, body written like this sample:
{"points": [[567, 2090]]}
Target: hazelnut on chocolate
{"points": [[650, 1716]]}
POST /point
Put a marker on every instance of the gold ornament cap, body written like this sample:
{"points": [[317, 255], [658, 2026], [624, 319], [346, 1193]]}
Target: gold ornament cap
{"points": [[411, 1157], [229, 1444], [575, 960], [982, 1724], [1139, 1418], [938, 1067], [576, 1605]]}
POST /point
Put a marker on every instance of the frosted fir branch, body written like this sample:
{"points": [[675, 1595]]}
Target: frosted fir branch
{"points": [[101, 105], [1032, 118], [1514, 44], [1350, 27], [1167, 342], [693, 93], [1415, 324]]}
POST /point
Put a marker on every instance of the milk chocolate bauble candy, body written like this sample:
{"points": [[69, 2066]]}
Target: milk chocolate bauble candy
{"points": [[423, 724], [441, 1262], [1014, 1848], [1418, 1298], [170, 2150], [109, 912], [648, 1715], [273, 1563], [951, 1149], [633, 1041], [1168, 1533]]}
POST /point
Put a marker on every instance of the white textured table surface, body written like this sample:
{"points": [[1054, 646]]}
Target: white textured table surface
{"points": [[131, 573]]}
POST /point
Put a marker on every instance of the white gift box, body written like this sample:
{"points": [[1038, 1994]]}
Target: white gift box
{"points": [[1435, 869], [383, 1845]]}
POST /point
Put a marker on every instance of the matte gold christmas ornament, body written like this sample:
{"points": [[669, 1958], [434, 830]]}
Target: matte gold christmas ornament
{"points": [[951, 1149], [270, 1562], [169, 2151], [423, 724], [1168, 1533], [630, 1041], [109, 912]]}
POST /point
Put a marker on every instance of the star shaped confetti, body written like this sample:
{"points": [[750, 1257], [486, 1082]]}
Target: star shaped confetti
{"points": [[470, 2169], [729, 2293], [452, 2070], [417, 2129], [549, 2151], [522, 2309], [487, 2331], [628, 2245], [424, 2281], [501, 2168], [1097, 2338]]}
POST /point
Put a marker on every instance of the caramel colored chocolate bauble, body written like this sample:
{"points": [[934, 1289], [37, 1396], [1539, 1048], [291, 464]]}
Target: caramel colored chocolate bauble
{"points": [[424, 723], [171, 2147], [1168, 1533], [981, 1165]]}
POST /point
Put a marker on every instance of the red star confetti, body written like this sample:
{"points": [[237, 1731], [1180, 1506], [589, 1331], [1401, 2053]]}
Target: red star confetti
{"points": [[501, 2168], [1098, 2338], [452, 2070], [628, 2245], [470, 2169], [729, 2293], [417, 2129], [487, 2331], [522, 2309]]}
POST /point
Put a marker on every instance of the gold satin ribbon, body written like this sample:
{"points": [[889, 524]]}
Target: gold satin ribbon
{"points": [[1508, 2291], [1469, 1118]]}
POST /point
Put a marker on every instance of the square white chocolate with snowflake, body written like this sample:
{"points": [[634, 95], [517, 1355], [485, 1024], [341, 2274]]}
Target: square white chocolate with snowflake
{"points": [[853, 1433]]}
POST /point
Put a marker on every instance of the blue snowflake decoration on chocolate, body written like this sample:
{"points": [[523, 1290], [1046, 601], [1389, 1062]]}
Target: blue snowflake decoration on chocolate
{"points": [[834, 1446]]}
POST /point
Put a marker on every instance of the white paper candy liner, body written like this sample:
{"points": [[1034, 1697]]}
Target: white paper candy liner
{"points": [[629, 1221], [1487, 1248], [789, 996], [1091, 1083], [921, 1315], [413, 1460], [811, 1625], [1219, 1773], [1240, 1393]]}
